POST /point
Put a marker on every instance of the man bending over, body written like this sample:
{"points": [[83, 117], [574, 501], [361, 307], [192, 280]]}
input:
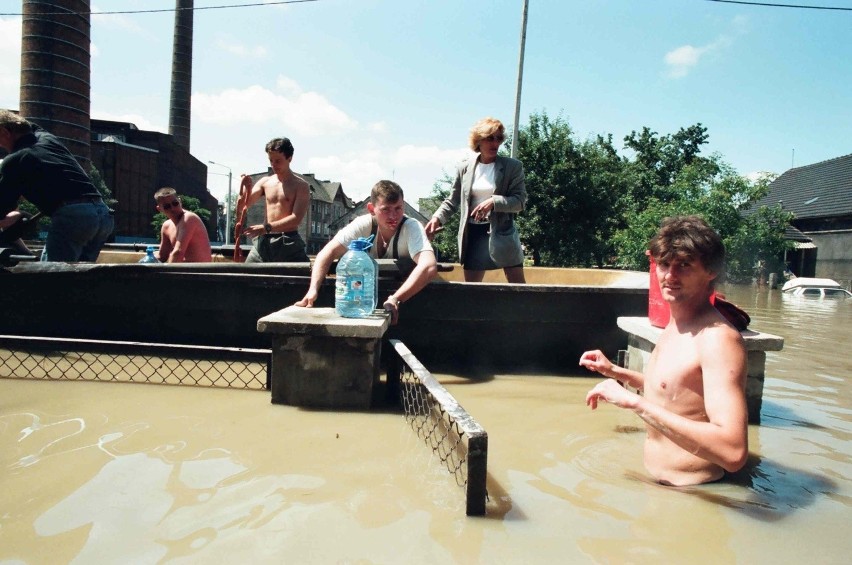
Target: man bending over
{"points": [[396, 236]]}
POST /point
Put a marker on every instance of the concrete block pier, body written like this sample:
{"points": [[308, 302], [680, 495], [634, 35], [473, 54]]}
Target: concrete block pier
{"points": [[642, 336], [322, 360]]}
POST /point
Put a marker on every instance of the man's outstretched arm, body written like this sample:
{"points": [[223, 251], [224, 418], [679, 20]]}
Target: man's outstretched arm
{"points": [[332, 250], [425, 270]]}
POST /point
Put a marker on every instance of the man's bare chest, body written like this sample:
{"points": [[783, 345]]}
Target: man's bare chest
{"points": [[674, 370]]}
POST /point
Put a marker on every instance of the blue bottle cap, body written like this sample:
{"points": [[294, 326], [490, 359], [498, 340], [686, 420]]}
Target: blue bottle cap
{"points": [[362, 243]]}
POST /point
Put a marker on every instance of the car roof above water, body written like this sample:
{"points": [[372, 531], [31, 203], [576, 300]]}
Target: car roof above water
{"points": [[808, 281]]}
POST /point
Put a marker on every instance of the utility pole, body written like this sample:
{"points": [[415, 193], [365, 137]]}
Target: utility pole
{"points": [[520, 80], [227, 204]]}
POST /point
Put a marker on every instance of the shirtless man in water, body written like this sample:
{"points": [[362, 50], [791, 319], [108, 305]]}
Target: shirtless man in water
{"points": [[693, 400], [183, 237], [287, 199]]}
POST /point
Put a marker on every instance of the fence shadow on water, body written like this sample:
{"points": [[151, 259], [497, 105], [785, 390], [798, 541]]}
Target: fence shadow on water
{"points": [[452, 434]]}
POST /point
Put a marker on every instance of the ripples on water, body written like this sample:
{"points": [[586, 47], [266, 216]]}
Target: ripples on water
{"points": [[806, 421], [204, 473]]}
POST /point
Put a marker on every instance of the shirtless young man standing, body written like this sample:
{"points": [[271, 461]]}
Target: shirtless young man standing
{"points": [[183, 237], [287, 199], [693, 400]]}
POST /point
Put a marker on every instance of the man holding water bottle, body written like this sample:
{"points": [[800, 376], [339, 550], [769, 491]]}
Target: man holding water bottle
{"points": [[395, 236]]}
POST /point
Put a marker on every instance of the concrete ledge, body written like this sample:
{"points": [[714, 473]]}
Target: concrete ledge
{"points": [[295, 320], [322, 360], [642, 337], [754, 341]]}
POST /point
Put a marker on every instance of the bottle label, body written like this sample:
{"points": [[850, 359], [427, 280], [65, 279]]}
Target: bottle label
{"points": [[354, 288]]}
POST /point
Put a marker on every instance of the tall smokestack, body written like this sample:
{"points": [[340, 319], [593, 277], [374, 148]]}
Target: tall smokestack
{"points": [[55, 71], [180, 106]]}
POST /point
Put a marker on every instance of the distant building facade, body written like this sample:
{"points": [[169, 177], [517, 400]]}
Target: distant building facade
{"points": [[361, 208], [135, 164], [820, 197]]}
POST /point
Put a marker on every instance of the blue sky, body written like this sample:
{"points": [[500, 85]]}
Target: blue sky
{"points": [[371, 89]]}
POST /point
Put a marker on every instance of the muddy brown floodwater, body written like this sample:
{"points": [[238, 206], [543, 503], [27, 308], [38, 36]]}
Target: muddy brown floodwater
{"points": [[127, 473]]}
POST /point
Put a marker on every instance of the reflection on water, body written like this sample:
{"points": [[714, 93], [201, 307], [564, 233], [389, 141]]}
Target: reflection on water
{"points": [[105, 472]]}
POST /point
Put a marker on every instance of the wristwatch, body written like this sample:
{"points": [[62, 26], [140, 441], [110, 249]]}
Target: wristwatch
{"points": [[268, 227], [393, 300]]}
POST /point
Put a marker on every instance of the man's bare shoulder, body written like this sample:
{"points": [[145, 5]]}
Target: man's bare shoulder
{"points": [[718, 328], [721, 343], [268, 180], [299, 182], [192, 217]]}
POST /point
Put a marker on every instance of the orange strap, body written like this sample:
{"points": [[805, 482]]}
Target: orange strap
{"points": [[242, 209]]}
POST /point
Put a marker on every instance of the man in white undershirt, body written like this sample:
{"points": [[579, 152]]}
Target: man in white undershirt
{"points": [[397, 236]]}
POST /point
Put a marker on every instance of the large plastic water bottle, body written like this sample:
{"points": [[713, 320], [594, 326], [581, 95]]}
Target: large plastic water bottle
{"points": [[149, 255], [356, 289]]}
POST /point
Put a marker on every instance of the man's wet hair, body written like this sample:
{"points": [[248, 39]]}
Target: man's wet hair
{"points": [[386, 189], [689, 236], [164, 192], [280, 145]]}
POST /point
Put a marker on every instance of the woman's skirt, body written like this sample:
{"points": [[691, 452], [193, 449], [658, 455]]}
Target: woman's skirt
{"points": [[477, 256]]}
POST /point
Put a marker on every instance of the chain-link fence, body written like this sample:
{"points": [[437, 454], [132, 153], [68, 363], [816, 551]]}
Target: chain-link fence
{"points": [[448, 429], [119, 361]]}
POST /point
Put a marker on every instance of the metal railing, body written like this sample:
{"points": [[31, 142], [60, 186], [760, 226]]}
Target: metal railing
{"points": [[453, 435], [25, 357]]}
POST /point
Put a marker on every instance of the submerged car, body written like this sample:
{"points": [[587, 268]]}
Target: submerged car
{"points": [[815, 288]]}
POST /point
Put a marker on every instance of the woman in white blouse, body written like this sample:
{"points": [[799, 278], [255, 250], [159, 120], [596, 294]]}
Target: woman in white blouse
{"points": [[488, 192]]}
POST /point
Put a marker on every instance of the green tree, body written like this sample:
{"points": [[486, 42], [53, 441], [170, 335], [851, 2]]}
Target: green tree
{"points": [[445, 243], [589, 206], [100, 184], [189, 203], [573, 189], [712, 189], [658, 160]]}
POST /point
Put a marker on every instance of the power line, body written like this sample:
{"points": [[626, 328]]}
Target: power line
{"points": [[110, 13], [775, 5]]}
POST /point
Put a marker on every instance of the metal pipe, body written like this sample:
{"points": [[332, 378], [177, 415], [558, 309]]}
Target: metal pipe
{"points": [[520, 81], [227, 203]]}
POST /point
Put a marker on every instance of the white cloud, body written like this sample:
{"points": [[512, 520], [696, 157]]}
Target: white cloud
{"points": [[357, 173], [116, 21], [415, 168], [10, 50], [229, 46], [413, 156], [683, 59], [305, 113], [377, 127], [288, 86]]}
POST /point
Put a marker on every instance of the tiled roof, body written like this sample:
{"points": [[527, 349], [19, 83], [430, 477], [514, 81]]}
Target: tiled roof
{"points": [[793, 234], [821, 190]]}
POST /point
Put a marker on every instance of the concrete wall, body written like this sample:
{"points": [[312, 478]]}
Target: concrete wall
{"points": [[834, 255]]}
